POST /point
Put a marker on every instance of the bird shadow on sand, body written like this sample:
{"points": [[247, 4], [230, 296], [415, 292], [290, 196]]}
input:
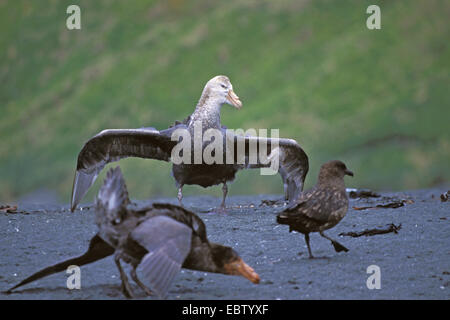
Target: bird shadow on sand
{"points": [[318, 258], [87, 292], [107, 291]]}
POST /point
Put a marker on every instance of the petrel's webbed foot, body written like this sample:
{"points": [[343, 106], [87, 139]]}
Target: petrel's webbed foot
{"points": [[217, 210], [220, 210]]}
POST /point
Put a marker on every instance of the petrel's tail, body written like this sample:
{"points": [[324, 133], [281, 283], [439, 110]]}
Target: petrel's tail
{"points": [[98, 249]]}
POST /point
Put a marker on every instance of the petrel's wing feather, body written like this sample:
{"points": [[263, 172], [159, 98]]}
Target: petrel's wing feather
{"points": [[260, 152], [168, 243], [112, 145]]}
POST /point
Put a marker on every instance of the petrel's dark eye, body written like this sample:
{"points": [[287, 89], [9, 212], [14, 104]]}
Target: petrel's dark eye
{"points": [[223, 86]]}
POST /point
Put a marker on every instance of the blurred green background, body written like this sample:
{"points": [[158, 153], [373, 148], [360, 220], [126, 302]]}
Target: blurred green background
{"points": [[378, 100]]}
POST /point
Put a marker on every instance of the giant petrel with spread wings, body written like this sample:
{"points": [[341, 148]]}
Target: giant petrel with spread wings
{"points": [[115, 144]]}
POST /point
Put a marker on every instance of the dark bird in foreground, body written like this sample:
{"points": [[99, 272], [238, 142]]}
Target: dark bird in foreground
{"points": [[115, 144], [157, 240], [322, 207]]}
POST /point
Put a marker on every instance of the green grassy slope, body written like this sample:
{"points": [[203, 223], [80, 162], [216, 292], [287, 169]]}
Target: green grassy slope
{"points": [[376, 99]]}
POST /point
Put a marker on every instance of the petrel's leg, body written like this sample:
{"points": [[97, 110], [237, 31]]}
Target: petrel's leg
{"points": [[286, 191], [180, 195], [138, 282], [337, 246], [126, 288], [307, 244], [222, 208], [225, 191]]}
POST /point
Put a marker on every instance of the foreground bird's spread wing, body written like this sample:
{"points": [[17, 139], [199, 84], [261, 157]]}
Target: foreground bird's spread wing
{"points": [[293, 161], [112, 145], [168, 243]]}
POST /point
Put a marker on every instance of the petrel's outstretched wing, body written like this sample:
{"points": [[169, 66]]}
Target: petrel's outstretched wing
{"points": [[115, 144], [259, 152]]}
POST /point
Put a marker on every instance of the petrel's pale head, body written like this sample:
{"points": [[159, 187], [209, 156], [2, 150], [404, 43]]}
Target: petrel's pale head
{"points": [[221, 88]]}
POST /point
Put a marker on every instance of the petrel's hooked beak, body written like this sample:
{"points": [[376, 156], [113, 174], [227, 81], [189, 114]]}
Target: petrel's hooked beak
{"points": [[240, 268], [233, 99], [348, 172]]}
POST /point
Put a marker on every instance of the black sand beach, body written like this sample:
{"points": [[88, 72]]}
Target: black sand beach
{"points": [[414, 263]]}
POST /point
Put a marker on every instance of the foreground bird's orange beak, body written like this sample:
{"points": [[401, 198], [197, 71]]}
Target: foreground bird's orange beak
{"points": [[234, 99], [240, 268]]}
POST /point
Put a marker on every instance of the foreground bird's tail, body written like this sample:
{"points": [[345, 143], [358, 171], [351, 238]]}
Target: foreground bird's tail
{"points": [[113, 195], [98, 249]]}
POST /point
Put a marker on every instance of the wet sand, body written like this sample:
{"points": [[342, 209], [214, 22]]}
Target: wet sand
{"points": [[414, 263]]}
